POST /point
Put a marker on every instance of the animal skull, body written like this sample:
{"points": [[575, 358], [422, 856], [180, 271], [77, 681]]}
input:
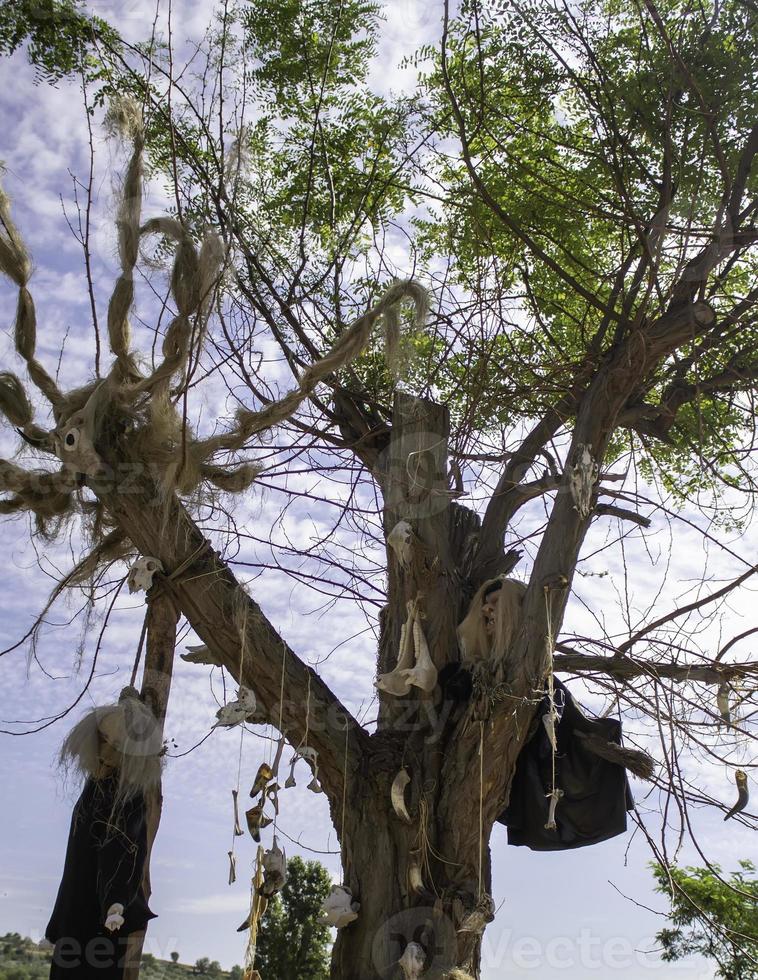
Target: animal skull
{"points": [[582, 479], [237, 711], [141, 574], [338, 908], [400, 539], [412, 961], [274, 870]]}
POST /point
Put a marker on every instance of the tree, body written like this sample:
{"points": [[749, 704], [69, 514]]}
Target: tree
{"points": [[174, 958], [712, 916], [202, 966], [589, 246], [292, 945]]}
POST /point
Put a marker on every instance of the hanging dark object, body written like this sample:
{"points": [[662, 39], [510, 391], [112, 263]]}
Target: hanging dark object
{"points": [[101, 898], [590, 773]]}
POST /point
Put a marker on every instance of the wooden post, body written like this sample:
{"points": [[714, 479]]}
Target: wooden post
{"points": [[162, 619]]}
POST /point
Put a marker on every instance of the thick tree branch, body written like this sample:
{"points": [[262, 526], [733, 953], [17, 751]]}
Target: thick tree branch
{"points": [[222, 614], [569, 661]]}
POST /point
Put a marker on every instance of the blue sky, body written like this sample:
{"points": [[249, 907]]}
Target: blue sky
{"points": [[573, 915]]}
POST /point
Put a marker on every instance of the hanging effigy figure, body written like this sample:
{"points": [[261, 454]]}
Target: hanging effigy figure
{"points": [[570, 788], [101, 900], [583, 759]]}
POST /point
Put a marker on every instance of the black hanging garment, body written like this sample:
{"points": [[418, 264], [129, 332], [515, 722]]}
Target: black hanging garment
{"points": [[596, 794], [105, 861]]}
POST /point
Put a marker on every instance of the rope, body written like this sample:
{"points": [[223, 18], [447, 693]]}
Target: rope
{"points": [[140, 645]]}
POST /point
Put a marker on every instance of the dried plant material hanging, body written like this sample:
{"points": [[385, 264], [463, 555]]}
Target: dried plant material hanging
{"points": [[238, 831], [743, 793], [582, 479], [339, 908], [142, 573], [397, 795], [258, 905]]}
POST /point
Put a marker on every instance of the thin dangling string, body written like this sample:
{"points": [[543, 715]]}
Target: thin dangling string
{"points": [[481, 804], [279, 725], [555, 793], [243, 640]]}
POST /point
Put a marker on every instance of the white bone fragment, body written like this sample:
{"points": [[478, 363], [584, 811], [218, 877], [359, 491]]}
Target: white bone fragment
{"points": [[555, 798], [274, 870], [338, 908], [400, 539], [582, 479], [397, 795], [235, 712], [140, 578], [412, 961], [424, 673]]}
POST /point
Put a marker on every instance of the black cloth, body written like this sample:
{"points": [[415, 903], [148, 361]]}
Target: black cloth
{"points": [[101, 957], [596, 792], [105, 860]]}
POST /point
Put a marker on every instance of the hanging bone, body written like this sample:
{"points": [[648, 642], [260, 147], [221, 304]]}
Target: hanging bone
{"points": [[396, 682], [397, 795], [412, 961], [423, 674], [274, 870], [232, 867], [582, 479], [272, 794], [237, 711], [550, 720], [201, 654], [555, 798], [400, 539], [142, 572], [311, 756], [278, 756], [479, 917], [743, 794], [722, 702], [238, 831], [338, 908], [289, 782]]}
